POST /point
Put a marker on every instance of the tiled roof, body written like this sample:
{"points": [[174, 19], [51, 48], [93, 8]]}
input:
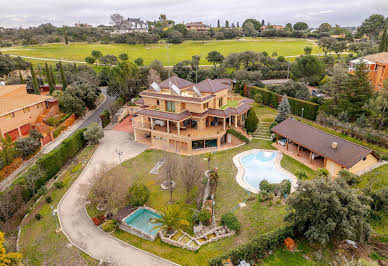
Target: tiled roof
{"points": [[242, 108], [213, 86], [13, 90], [346, 154], [176, 97], [179, 82], [10, 104], [378, 58], [165, 115]]}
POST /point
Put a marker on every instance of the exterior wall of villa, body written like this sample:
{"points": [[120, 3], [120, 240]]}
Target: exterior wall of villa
{"points": [[333, 167], [370, 159]]}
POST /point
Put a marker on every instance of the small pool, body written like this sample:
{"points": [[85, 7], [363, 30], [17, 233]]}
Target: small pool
{"points": [[140, 221], [261, 165]]}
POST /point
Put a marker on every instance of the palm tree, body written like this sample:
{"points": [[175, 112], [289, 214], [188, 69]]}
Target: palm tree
{"points": [[209, 156], [172, 219]]}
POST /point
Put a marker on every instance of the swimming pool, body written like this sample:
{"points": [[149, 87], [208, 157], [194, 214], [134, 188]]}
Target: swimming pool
{"points": [[256, 165], [140, 223]]}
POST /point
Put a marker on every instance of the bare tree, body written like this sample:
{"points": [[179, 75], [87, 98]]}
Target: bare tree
{"points": [[117, 20], [171, 170], [10, 203], [32, 176], [191, 173], [153, 76]]}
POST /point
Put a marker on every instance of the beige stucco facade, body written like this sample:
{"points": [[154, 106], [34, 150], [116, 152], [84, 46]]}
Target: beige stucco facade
{"points": [[369, 160]]}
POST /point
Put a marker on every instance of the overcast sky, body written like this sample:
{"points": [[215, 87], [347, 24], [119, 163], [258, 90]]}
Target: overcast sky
{"points": [[16, 13]]}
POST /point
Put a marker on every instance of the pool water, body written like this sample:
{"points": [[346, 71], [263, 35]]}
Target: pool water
{"points": [[140, 220], [259, 166]]}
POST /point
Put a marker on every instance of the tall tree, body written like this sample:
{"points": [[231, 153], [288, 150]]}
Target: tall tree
{"points": [[35, 84], [372, 26], [117, 20], [226, 24], [324, 27], [7, 151], [123, 80], [63, 78], [301, 26], [218, 24], [52, 75], [310, 68], [215, 58], [49, 79], [384, 41]]}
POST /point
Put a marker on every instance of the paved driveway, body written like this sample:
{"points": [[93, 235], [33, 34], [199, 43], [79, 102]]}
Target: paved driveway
{"points": [[75, 223]]}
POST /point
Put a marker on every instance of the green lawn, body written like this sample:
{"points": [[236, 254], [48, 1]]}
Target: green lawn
{"points": [[231, 103], [175, 52], [40, 244], [379, 176], [265, 113], [293, 166]]}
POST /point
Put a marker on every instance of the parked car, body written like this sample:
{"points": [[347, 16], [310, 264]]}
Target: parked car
{"points": [[317, 93]]}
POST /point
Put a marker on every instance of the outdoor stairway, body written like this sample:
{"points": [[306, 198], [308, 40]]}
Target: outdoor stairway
{"points": [[262, 132]]}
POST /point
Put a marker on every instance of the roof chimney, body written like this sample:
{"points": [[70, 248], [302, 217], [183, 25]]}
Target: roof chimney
{"points": [[334, 145]]}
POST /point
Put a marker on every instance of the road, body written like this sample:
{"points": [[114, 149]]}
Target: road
{"points": [[84, 122]]}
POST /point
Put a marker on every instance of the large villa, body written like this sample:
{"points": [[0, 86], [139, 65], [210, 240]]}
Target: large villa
{"points": [[179, 116]]}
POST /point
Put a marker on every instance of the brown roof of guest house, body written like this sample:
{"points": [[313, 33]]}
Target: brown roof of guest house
{"points": [[346, 153]]}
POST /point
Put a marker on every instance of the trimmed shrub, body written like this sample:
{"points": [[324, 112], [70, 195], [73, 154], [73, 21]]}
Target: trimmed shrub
{"points": [[109, 226], [27, 146], [301, 174], [252, 120], [58, 184], [256, 248], [49, 199], [285, 186], [105, 118], [231, 221], [204, 217], [350, 178], [138, 195], [266, 186], [58, 131], [237, 135], [310, 110]]}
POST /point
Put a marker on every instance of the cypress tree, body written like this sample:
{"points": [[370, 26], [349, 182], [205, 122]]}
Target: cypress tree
{"points": [[52, 76], [35, 84], [49, 79], [63, 79], [75, 68], [21, 78], [383, 43], [252, 120], [386, 43], [218, 24]]}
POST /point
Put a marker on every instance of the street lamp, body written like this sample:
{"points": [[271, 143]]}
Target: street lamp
{"points": [[302, 111], [119, 153]]}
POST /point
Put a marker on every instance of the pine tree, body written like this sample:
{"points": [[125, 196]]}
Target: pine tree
{"points": [[63, 78], [226, 24], [49, 79], [284, 110], [21, 78], [384, 41], [7, 150], [238, 24], [35, 84], [218, 24]]}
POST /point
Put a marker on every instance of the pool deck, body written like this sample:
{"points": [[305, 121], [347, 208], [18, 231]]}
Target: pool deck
{"points": [[241, 170]]}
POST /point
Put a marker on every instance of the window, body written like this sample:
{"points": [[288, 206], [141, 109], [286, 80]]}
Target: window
{"points": [[10, 116], [26, 110], [170, 106], [243, 117], [205, 105], [157, 102], [183, 106], [220, 102]]}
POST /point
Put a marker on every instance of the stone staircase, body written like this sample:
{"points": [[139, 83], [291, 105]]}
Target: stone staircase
{"points": [[262, 132]]}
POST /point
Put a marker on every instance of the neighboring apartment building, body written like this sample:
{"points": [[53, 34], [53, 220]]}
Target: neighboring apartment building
{"points": [[132, 25], [179, 116], [198, 26], [19, 110], [377, 66]]}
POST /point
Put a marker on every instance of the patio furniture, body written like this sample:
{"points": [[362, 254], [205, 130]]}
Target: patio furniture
{"points": [[282, 142], [159, 122]]}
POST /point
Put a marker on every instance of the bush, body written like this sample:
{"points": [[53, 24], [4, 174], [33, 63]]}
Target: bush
{"points": [[93, 133], [256, 248], [252, 120], [38, 216], [237, 135], [109, 226], [266, 186], [285, 187], [204, 217], [138, 195], [350, 178], [301, 174], [264, 196], [385, 157], [310, 110], [105, 118], [58, 184], [27, 146], [49, 199], [58, 131], [231, 221]]}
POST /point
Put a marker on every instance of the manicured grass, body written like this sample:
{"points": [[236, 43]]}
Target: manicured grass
{"points": [[39, 242], [265, 113], [293, 166], [379, 176], [231, 103], [171, 55]]}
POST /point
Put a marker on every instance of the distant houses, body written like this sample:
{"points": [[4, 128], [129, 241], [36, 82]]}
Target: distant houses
{"points": [[132, 25], [197, 26]]}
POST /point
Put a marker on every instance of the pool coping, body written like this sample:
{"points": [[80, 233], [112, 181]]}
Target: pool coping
{"points": [[135, 231], [241, 170]]}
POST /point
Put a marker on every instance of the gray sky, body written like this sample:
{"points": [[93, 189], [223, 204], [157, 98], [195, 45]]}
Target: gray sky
{"points": [[16, 13]]}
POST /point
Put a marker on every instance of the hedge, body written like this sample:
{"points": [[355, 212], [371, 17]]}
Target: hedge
{"points": [[237, 135], [256, 248], [105, 118], [273, 99], [53, 161]]}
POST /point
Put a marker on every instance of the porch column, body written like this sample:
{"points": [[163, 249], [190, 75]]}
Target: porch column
{"points": [[287, 145], [277, 138], [168, 126], [179, 129], [142, 121], [324, 162], [230, 121], [152, 123], [20, 132], [224, 124], [235, 120], [298, 150], [311, 156]]}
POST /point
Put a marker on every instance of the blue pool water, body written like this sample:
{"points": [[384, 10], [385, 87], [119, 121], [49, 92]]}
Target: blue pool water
{"points": [[141, 221], [259, 166]]}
